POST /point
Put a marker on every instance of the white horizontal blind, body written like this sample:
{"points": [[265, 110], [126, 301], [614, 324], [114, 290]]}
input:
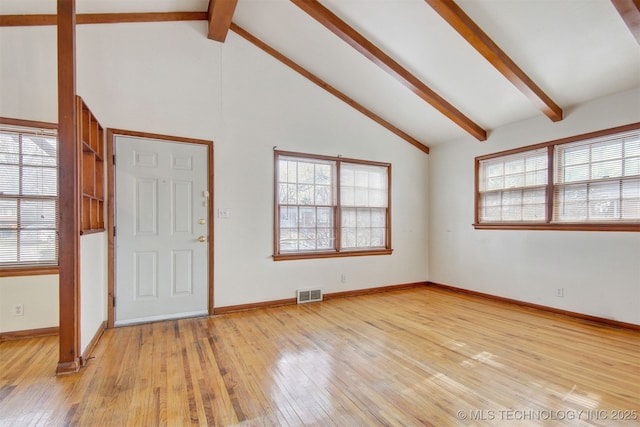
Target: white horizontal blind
{"points": [[598, 180], [513, 188], [28, 197], [364, 205], [306, 204]]}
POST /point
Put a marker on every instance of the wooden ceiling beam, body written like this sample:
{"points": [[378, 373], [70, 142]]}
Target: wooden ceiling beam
{"points": [[629, 10], [28, 20], [220, 16], [102, 18], [356, 40], [326, 86], [481, 42], [111, 18]]}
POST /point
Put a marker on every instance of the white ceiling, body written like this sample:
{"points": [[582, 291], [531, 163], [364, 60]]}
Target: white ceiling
{"points": [[574, 50]]}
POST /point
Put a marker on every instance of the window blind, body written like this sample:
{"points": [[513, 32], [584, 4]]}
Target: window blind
{"points": [[363, 202], [598, 179], [513, 188], [28, 196]]}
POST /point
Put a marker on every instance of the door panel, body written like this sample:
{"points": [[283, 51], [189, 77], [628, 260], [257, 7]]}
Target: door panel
{"points": [[161, 243]]}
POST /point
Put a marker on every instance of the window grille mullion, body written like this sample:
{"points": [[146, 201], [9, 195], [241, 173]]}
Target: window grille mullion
{"points": [[588, 201], [19, 202], [620, 187], [338, 209], [550, 188]]}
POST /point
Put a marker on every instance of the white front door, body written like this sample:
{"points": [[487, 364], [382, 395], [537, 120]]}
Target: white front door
{"points": [[161, 220]]}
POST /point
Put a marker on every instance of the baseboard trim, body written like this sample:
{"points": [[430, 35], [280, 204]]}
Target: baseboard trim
{"points": [[575, 315], [29, 333], [367, 291], [325, 297], [66, 368], [87, 355]]}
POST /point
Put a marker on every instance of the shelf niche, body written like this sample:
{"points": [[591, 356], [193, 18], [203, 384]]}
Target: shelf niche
{"points": [[91, 135]]}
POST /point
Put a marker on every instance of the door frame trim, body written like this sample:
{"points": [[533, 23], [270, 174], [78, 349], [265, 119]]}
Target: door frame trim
{"points": [[111, 135]]}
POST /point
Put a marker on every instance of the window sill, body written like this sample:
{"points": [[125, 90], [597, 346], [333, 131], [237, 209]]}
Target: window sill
{"points": [[315, 255], [28, 271], [560, 226]]}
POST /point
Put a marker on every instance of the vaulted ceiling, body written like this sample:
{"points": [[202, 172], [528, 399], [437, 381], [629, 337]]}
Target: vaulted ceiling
{"points": [[428, 70]]}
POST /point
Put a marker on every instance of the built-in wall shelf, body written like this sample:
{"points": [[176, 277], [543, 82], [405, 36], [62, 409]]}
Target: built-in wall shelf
{"points": [[91, 135]]}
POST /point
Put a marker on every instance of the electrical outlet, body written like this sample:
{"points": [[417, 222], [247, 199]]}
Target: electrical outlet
{"points": [[18, 310], [343, 278], [560, 292]]}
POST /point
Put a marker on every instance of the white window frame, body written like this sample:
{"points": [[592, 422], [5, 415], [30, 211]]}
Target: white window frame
{"points": [[339, 222]]}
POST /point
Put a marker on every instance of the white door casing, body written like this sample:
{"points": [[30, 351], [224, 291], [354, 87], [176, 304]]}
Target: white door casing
{"points": [[161, 219]]}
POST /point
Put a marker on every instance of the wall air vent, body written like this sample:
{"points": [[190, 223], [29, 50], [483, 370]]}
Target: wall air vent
{"points": [[309, 295]]}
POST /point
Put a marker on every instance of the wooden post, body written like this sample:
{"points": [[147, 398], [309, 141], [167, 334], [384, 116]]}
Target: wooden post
{"points": [[68, 182]]}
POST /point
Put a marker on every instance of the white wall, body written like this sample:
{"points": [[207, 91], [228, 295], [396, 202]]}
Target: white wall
{"points": [[28, 73], [93, 286], [38, 294], [169, 78], [28, 55], [266, 105], [40, 297], [599, 271], [28, 84]]}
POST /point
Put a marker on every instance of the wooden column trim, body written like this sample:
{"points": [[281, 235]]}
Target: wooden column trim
{"points": [[111, 264], [69, 193], [210, 218]]}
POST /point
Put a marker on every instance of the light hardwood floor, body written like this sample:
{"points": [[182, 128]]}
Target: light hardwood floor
{"points": [[413, 357]]}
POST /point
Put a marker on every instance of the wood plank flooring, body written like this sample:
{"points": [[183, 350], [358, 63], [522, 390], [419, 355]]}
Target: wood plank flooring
{"points": [[403, 358]]}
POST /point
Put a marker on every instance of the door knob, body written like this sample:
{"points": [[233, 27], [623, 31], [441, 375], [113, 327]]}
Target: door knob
{"points": [[202, 239]]}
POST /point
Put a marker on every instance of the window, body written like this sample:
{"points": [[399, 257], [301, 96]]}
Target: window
{"points": [[513, 188], [588, 182], [330, 206], [28, 197], [598, 179]]}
